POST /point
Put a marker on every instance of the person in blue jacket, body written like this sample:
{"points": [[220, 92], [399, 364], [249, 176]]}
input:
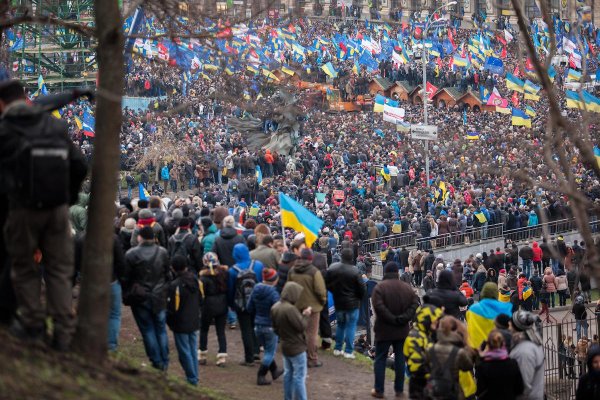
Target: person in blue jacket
{"points": [[241, 256], [263, 297]]}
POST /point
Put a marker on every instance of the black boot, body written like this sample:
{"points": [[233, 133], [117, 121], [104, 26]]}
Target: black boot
{"points": [[261, 379], [275, 372]]}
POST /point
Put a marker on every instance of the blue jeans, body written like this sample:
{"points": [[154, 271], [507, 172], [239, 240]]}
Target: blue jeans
{"points": [[382, 349], [187, 349], [294, 377], [268, 339], [129, 190], [579, 325], [555, 264], [527, 267], [114, 317], [346, 329], [153, 328], [231, 317]]}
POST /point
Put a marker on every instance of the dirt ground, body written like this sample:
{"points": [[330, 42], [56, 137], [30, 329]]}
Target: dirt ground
{"points": [[336, 379]]}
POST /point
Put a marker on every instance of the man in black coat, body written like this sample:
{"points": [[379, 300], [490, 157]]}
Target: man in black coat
{"points": [[348, 288], [446, 295]]}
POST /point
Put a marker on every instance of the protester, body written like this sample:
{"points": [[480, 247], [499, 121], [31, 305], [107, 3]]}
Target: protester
{"points": [[314, 296], [290, 326], [183, 316], [527, 352], [263, 297], [213, 280], [394, 306], [481, 316], [588, 386], [498, 376], [348, 289], [446, 295], [145, 282]]}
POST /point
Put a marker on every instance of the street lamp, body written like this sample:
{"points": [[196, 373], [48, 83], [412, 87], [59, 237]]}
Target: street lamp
{"points": [[425, 95]]}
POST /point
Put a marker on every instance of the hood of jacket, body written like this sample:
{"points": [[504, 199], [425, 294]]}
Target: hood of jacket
{"points": [[446, 280], [301, 266], [83, 199], [241, 255], [189, 281], [425, 316], [291, 292], [450, 337], [228, 232], [211, 229], [535, 245]]}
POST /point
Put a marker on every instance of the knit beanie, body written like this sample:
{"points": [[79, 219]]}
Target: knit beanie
{"points": [[269, 275], [489, 291]]}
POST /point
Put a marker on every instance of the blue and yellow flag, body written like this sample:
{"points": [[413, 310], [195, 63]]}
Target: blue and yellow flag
{"points": [[519, 118], [530, 111], [573, 100], [385, 172], [480, 319], [378, 103], [329, 70], [258, 174], [514, 83], [573, 75], [144, 195], [295, 216], [472, 135], [597, 154]]}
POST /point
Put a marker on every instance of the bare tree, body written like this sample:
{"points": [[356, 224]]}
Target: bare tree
{"points": [[98, 247]]}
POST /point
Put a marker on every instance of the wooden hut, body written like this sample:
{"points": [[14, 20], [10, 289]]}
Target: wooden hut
{"points": [[381, 86], [447, 97], [401, 90]]}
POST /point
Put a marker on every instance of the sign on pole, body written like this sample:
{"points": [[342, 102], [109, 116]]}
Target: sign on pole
{"points": [[423, 132]]}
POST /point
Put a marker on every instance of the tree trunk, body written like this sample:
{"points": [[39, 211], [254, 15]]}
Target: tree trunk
{"points": [[97, 266]]}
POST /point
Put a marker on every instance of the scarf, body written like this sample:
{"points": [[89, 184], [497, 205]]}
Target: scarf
{"points": [[145, 222], [496, 354]]}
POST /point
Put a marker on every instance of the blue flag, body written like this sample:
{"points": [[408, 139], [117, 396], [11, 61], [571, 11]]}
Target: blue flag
{"points": [[494, 65]]}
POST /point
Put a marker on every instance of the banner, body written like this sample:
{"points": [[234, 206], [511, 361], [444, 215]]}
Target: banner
{"points": [[393, 114]]}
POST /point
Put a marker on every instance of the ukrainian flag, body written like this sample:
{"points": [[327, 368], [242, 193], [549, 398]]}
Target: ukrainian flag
{"points": [[286, 70], [530, 111], [78, 123], [592, 103], [269, 74], [472, 136], [295, 216], [530, 87], [514, 83], [573, 75], [519, 118], [258, 174], [531, 96], [480, 319], [144, 195], [378, 103], [329, 70], [503, 110], [597, 154], [573, 100], [56, 114], [385, 172], [460, 61], [252, 69]]}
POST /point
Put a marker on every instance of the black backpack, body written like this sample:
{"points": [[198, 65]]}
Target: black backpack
{"points": [[244, 284], [180, 249], [441, 384], [42, 164]]}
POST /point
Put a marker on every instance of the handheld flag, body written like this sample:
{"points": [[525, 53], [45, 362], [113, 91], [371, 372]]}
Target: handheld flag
{"points": [[144, 195], [329, 70], [258, 173], [514, 83], [472, 136], [519, 118], [89, 124], [295, 216]]}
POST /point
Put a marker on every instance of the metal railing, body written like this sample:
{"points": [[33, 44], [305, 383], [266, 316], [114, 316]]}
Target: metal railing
{"points": [[562, 364], [483, 233]]}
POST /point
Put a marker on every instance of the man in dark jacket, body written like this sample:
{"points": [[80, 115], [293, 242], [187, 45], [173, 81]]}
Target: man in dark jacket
{"points": [[446, 295], [347, 287], [287, 262], [184, 242], [403, 258], [394, 305], [183, 316], [145, 284], [526, 254], [428, 263], [536, 286], [226, 240], [589, 383]]}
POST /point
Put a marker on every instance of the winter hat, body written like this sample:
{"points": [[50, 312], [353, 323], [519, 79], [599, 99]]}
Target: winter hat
{"points": [[502, 321], [489, 291], [269, 275], [184, 223], [129, 224], [210, 259], [147, 233], [177, 214], [479, 256], [524, 321], [391, 267], [145, 214], [288, 257], [306, 254]]}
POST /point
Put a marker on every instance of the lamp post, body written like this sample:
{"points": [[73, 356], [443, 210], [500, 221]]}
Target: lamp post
{"points": [[425, 94]]}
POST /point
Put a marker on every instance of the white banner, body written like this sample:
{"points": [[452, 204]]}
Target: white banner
{"points": [[393, 114]]}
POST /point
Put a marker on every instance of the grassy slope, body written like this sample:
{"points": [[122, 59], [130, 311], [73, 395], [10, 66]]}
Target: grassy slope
{"points": [[34, 372]]}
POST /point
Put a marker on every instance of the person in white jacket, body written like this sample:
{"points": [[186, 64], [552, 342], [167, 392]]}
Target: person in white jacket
{"points": [[527, 351]]}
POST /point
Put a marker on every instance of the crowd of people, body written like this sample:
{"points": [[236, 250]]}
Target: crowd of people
{"points": [[219, 254]]}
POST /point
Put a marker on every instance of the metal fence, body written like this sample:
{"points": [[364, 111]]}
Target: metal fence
{"points": [[563, 363], [490, 232]]}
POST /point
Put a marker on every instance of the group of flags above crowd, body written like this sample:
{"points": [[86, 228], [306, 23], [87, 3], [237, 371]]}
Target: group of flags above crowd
{"points": [[263, 47]]}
